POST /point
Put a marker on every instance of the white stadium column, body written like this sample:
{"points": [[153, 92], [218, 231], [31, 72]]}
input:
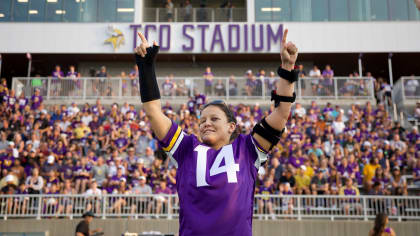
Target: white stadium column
{"points": [[138, 11], [250, 11]]}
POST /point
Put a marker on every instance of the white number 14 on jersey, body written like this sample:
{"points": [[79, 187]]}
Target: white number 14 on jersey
{"points": [[230, 166]]}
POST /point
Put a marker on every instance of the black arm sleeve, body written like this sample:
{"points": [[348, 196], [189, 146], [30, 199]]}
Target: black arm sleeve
{"points": [[149, 89]]}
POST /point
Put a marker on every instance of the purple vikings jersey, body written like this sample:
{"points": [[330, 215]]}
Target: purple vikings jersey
{"points": [[215, 187]]}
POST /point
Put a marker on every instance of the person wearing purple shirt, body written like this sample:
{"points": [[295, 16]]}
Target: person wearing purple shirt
{"points": [[162, 189], [57, 75], [208, 81], [23, 101], [200, 99], [217, 171], [11, 99], [36, 100]]}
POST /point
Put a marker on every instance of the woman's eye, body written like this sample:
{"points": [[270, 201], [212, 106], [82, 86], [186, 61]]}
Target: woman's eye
{"points": [[214, 119]]}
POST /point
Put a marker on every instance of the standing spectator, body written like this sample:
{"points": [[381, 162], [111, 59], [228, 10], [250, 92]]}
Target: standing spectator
{"points": [[99, 85], [327, 84], [233, 86], [75, 87], [369, 171], [315, 74], [168, 87], [200, 100], [417, 111], [169, 10], [208, 81], [187, 11], [411, 86], [57, 76]]}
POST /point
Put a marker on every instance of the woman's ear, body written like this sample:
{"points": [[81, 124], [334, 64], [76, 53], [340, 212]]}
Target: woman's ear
{"points": [[232, 127]]}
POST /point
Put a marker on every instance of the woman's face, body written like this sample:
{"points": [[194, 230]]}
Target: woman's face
{"points": [[215, 130]]}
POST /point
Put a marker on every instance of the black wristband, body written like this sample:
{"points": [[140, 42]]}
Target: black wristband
{"points": [[149, 89], [277, 98], [291, 76]]}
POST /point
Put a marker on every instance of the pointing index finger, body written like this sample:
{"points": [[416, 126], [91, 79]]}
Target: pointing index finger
{"points": [[143, 39], [285, 36]]}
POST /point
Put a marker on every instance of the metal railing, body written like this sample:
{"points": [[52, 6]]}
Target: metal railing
{"points": [[167, 206], [195, 15], [407, 88], [182, 87]]}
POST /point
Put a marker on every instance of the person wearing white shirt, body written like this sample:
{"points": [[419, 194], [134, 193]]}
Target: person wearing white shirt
{"points": [[93, 196], [299, 110], [125, 108], [338, 125], [73, 109]]}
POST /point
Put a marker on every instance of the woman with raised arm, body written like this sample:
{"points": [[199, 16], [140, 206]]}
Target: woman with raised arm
{"points": [[217, 170]]}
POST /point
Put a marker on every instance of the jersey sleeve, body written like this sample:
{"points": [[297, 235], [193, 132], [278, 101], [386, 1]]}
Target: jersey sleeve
{"points": [[260, 155], [175, 143]]}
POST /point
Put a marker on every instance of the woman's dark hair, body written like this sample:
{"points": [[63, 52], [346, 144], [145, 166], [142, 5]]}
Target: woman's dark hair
{"points": [[229, 115], [379, 226]]}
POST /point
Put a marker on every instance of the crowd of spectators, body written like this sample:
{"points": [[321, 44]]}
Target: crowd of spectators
{"points": [[93, 150]]}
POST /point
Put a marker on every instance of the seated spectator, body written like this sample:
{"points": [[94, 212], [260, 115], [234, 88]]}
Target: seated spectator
{"points": [[352, 203], [397, 180], [34, 183], [288, 178], [141, 204], [416, 174], [302, 181], [264, 203], [369, 171], [319, 184], [161, 189], [219, 88], [286, 202]]}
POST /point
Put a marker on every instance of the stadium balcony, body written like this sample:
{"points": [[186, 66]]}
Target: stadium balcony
{"points": [[341, 90]]}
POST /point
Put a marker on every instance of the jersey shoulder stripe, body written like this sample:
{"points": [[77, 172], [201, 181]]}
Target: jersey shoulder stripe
{"points": [[173, 140]]}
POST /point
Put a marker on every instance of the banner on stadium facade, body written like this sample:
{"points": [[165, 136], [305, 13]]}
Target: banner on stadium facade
{"points": [[212, 38], [195, 38]]}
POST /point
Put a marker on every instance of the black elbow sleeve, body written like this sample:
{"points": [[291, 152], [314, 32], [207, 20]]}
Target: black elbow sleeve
{"points": [[149, 89]]}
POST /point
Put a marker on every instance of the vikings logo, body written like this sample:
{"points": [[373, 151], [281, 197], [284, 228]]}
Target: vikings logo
{"points": [[116, 38]]}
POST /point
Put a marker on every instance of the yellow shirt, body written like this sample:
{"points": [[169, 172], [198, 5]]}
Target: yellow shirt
{"points": [[369, 171], [81, 132], [309, 171], [302, 181]]}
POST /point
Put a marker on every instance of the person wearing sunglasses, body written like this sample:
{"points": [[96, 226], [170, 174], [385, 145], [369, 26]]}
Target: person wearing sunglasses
{"points": [[217, 170]]}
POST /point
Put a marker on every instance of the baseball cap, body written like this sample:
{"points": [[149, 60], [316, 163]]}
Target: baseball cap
{"points": [[142, 178], [50, 159], [11, 144], [396, 168], [303, 167], [88, 213]]}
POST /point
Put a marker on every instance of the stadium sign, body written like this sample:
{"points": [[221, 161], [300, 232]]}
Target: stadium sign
{"points": [[226, 38], [220, 38]]}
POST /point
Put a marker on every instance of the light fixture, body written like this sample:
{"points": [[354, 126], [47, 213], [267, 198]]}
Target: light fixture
{"points": [[22, 0], [265, 9], [33, 12], [125, 9], [1, 15], [52, 1], [80, 0], [60, 12]]}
